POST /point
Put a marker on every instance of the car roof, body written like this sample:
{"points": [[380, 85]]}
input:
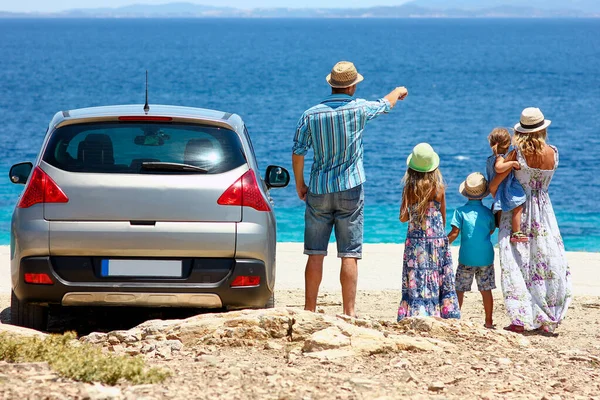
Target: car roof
{"points": [[108, 113]]}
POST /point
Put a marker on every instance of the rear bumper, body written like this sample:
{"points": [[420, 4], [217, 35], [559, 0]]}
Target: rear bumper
{"points": [[70, 289]]}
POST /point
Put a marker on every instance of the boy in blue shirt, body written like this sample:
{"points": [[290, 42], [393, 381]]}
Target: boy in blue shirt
{"points": [[475, 223]]}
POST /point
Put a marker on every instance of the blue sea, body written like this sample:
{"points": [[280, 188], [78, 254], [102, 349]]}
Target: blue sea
{"points": [[465, 77]]}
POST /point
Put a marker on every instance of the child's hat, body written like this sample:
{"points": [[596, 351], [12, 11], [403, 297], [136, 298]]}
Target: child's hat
{"points": [[423, 158], [532, 120], [475, 187]]}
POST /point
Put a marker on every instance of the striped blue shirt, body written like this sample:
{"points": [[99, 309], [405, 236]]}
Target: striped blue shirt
{"points": [[334, 129]]}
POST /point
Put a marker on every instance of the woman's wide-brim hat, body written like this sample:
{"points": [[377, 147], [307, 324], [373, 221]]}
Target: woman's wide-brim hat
{"points": [[343, 75], [532, 120], [423, 158], [475, 187]]}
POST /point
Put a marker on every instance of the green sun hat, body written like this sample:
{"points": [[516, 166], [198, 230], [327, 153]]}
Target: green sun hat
{"points": [[423, 158]]}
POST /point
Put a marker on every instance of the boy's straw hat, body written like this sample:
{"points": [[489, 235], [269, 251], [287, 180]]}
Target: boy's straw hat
{"points": [[423, 158], [532, 120], [475, 187], [343, 75]]}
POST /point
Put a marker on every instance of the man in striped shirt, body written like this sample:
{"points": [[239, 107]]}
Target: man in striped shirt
{"points": [[334, 196]]}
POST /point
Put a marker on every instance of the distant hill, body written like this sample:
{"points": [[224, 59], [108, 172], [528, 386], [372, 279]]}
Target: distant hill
{"points": [[586, 6], [413, 9]]}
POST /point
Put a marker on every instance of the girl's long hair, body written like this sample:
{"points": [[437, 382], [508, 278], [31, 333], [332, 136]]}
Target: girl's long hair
{"points": [[420, 188], [531, 144]]}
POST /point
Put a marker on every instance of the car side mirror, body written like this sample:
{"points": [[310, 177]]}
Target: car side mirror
{"points": [[19, 173], [277, 177]]}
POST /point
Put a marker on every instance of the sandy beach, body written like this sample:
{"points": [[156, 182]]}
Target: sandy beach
{"points": [[476, 364]]}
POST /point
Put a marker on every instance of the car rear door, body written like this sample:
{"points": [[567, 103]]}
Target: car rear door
{"points": [[142, 189]]}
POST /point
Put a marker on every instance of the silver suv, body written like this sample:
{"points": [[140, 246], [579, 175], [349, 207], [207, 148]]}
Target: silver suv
{"points": [[124, 207]]}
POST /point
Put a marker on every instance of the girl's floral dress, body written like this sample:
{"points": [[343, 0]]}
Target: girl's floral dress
{"points": [[536, 281], [427, 274]]}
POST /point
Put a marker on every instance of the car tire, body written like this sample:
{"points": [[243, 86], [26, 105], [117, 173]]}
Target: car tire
{"points": [[28, 315], [271, 302]]}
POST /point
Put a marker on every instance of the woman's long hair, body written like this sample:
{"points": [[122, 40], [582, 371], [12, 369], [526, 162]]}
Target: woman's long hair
{"points": [[420, 188], [531, 144]]}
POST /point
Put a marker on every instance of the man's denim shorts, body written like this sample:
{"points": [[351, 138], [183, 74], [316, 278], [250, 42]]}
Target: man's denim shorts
{"points": [[342, 210]]}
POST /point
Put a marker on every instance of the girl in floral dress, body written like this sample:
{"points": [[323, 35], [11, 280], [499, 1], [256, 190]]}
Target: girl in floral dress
{"points": [[536, 281], [427, 274]]}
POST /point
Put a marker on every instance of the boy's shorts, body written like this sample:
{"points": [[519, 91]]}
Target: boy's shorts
{"points": [[485, 278], [343, 211]]}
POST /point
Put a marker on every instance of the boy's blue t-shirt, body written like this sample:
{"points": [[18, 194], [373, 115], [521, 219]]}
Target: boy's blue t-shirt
{"points": [[476, 222]]}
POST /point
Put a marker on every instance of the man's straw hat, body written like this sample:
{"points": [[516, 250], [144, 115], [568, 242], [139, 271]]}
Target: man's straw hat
{"points": [[343, 75], [423, 158], [475, 187], [532, 120]]}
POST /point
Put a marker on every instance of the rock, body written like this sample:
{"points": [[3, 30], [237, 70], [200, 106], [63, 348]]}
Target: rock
{"points": [[208, 359], [273, 346], [20, 331], [101, 392], [362, 382], [278, 326], [147, 348], [173, 345], [293, 355], [329, 338], [425, 324], [95, 338], [164, 350], [243, 321], [116, 348], [131, 336], [408, 376], [332, 354], [113, 340], [269, 371], [504, 361], [436, 387], [401, 363], [306, 323], [133, 351]]}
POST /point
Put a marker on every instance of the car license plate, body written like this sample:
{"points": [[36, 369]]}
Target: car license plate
{"points": [[142, 268]]}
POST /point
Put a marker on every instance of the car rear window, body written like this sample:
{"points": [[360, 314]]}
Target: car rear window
{"points": [[132, 148]]}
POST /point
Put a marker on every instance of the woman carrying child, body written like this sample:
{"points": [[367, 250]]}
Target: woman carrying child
{"points": [[427, 273], [536, 281]]}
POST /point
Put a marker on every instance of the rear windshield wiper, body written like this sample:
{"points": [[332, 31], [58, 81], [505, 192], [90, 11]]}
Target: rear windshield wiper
{"points": [[167, 166]]}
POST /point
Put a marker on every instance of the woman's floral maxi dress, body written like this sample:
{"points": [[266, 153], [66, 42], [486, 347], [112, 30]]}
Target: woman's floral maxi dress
{"points": [[536, 281], [427, 274]]}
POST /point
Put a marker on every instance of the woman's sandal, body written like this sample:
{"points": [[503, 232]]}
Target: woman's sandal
{"points": [[489, 326], [515, 328], [518, 237]]}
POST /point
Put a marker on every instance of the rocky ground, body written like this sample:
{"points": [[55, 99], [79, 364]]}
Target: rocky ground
{"points": [[286, 353]]}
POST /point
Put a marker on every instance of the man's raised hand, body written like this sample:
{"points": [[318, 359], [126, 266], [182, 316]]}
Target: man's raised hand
{"points": [[402, 92]]}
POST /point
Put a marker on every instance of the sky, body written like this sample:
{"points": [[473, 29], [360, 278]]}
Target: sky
{"points": [[60, 5]]}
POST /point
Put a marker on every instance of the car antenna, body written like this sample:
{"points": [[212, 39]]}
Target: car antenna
{"points": [[146, 106]]}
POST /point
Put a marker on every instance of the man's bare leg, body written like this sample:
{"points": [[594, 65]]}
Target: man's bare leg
{"points": [[312, 280], [348, 279]]}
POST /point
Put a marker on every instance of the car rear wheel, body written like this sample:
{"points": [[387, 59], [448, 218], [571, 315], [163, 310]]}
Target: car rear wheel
{"points": [[271, 302], [28, 315]]}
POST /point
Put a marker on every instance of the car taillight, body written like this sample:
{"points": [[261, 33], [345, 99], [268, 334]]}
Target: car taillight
{"points": [[246, 193], [38, 279], [240, 281], [41, 189]]}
